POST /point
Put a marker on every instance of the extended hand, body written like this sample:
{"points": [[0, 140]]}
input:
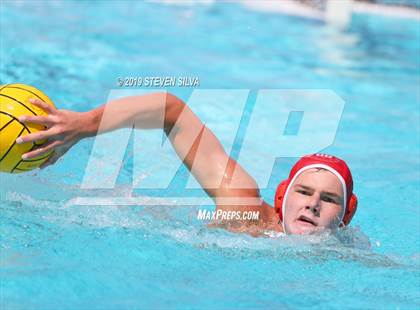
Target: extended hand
{"points": [[63, 129]]}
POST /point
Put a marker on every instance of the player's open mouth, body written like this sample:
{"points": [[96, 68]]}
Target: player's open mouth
{"points": [[305, 220]]}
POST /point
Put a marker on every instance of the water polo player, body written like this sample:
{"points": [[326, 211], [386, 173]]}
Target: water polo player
{"points": [[317, 195]]}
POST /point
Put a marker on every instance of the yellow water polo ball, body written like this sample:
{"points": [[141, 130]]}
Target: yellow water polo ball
{"points": [[14, 102]]}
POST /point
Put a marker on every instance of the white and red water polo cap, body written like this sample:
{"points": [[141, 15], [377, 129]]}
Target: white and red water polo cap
{"points": [[331, 163]]}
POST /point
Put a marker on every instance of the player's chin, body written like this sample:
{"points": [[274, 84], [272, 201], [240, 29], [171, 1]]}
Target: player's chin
{"points": [[297, 229]]}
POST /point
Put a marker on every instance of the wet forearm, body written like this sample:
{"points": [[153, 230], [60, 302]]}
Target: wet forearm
{"points": [[158, 110]]}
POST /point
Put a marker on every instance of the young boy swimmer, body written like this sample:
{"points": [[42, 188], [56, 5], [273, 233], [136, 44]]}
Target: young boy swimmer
{"points": [[317, 195]]}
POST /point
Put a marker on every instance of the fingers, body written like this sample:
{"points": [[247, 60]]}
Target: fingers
{"points": [[36, 136], [42, 120], [42, 150], [44, 106]]}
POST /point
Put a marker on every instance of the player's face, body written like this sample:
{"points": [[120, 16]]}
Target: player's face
{"points": [[314, 202]]}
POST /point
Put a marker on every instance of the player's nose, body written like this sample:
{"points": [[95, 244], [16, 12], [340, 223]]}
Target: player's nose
{"points": [[313, 204]]}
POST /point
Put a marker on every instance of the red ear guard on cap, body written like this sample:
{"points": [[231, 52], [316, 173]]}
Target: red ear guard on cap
{"points": [[278, 199], [350, 210], [281, 192], [338, 166]]}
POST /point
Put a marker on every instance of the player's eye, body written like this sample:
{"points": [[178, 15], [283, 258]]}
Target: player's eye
{"points": [[303, 192], [329, 199]]}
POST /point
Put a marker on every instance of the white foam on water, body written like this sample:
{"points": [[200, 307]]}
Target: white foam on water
{"points": [[321, 247], [350, 244]]}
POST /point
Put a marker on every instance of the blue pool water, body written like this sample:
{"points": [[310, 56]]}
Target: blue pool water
{"points": [[55, 254]]}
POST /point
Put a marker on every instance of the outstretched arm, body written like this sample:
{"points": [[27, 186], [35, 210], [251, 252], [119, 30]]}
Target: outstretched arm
{"points": [[224, 180]]}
